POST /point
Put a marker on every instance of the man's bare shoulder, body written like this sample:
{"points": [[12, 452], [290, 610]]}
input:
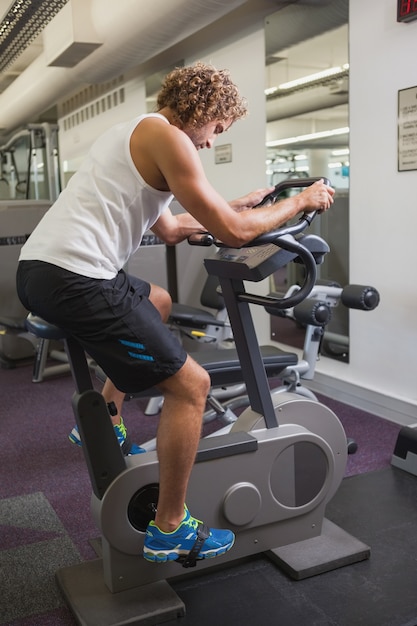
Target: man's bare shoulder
{"points": [[154, 134], [160, 150]]}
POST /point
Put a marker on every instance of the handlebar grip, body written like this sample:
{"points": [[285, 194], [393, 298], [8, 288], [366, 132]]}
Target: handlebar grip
{"points": [[201, 239]]}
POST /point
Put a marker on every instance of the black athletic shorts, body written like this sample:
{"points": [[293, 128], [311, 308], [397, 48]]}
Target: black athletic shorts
{"points": [[113, 320]]}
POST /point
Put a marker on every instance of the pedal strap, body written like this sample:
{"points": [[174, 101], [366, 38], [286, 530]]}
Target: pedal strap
{"points": [[126, 445], [190, 560]]}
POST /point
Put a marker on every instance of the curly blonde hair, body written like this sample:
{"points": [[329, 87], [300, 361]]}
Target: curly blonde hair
{"points": [[199, 93]]}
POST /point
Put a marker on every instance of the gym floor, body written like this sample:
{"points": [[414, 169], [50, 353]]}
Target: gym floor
{"points": [[380, 509], [46, 525]]}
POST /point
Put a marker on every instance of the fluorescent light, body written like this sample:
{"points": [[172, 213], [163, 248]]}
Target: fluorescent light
{"points": [[311, 78], [331, 71], [341, 152], [310, 137], [270, 90]]}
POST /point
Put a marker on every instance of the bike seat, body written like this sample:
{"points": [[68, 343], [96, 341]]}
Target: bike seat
{"points": [[224, 367]]}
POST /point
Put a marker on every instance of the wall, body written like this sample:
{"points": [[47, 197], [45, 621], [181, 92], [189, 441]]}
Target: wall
{"points": [[383, 359]]}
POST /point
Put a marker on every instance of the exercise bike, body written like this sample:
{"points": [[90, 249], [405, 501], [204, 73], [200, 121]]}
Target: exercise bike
{"points": [[268, 479]]}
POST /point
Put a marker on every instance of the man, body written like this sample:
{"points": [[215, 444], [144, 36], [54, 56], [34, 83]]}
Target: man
{"points": [[70, 271]]}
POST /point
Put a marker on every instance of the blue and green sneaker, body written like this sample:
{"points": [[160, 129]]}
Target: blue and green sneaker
{"points": [[128, 448], [191, 541]]}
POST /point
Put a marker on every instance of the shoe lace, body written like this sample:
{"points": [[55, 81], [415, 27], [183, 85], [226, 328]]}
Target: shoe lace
{"points": [[192, 522]]}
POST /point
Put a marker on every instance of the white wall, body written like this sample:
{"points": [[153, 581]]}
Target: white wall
{"points": [[383, 218], [245, 61]]}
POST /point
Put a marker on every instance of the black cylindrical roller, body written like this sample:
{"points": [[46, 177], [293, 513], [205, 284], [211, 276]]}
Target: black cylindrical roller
{"points": [[312, 312], [360, 297]]}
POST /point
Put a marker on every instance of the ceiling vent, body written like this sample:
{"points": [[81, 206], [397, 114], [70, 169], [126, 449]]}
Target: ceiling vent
{"points": [[72, 37], [21, 24]]}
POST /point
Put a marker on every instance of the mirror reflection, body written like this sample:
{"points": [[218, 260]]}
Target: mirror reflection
{"points": [[307, 93]]}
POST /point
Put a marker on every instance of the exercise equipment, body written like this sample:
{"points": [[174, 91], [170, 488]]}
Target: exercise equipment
{"points": [[17, 220], [269, 478], [199, 325], [228, 390], [405, 452]]}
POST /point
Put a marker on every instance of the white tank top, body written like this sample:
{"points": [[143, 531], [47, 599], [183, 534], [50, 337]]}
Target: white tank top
{"points": [[99, 219]]}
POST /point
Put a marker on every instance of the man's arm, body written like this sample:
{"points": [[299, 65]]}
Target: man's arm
{"points": [[173, 229], [190, 186], [172, 162]]}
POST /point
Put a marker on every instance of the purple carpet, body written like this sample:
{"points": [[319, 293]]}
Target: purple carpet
{"points": [[45, 520]]}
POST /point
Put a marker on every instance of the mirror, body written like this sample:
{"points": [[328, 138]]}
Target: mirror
{"points": [[307, 91]]}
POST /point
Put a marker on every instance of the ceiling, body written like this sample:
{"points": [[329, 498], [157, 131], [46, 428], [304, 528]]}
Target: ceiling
{"points": [[302, 37]]}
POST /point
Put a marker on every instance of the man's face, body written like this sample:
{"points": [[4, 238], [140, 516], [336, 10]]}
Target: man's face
{"points": [[205, 136]]}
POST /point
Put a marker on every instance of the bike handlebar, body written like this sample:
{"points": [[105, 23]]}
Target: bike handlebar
{"points": [[287, 242], [290, 183], [284, 238]]}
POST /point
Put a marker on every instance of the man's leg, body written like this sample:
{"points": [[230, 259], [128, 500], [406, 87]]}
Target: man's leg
{"points": [[178, 435], [161, 300], [175, 534], [179, 432]]}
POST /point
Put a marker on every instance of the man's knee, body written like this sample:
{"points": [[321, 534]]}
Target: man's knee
{"points": [[202, 380], [194, 377], [191, 381]]}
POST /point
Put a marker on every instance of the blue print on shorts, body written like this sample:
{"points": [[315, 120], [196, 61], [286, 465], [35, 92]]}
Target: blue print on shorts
{"points": [[137, 346]]}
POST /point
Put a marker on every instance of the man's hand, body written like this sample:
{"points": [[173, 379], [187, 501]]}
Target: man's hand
{"points": [[317, 197], [250, 200]]}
